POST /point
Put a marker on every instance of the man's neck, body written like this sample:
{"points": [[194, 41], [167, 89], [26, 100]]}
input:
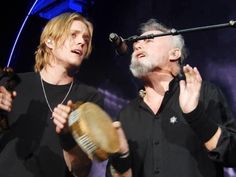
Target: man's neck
{"points": [[158, 81], [55, 75]]}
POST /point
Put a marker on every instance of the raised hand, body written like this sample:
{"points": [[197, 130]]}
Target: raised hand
{"points": [[190, 89]]}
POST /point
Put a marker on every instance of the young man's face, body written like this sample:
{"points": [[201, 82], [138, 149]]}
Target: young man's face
{"points": [[74, 49]]}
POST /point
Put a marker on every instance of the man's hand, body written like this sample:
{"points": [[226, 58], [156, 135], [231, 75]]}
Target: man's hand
{"points": [[124, 148], [190, 89], [61, 114], [6, 99]]}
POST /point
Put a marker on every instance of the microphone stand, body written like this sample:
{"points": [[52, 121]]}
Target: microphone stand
{"points": [[135, 38]]}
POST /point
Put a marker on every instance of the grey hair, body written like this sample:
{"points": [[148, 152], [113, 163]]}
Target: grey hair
{"points": [[178, 40]]}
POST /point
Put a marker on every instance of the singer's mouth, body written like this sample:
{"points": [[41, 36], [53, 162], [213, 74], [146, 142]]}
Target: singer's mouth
{"points": [[140, 55], [77, 51]]}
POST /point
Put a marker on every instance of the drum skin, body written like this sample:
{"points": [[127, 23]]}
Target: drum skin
{"points": [[93, 131]]}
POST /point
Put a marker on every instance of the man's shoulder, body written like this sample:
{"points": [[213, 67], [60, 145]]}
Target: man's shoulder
{"points": [[82, 87], [27, 75], [87, 93], [132, 104], [16, 79]]}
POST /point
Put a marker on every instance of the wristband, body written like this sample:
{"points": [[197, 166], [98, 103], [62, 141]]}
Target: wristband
{"points": [[67, 141], [202, 124], [124, 155], [121, 162]]}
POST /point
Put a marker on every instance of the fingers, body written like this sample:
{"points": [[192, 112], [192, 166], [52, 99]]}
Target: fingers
{"points": [[188, 71], [122, 139], [192, 74], [190, 89], [59, 125], [116, 124], [197, 74], [60, 115], [14, 94], [182, 84], [69, 103], [6, 99]]}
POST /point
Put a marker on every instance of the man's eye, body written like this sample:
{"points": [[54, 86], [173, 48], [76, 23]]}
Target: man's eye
{"points": [[73, 35], [86, 40], [148, 40]]}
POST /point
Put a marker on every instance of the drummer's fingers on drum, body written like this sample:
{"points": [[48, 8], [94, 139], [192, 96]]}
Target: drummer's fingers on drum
{"points": [[116, 124], [60, 114], [64, 108], [122, 138], [119, 129], [59, 125], [69, 103]]}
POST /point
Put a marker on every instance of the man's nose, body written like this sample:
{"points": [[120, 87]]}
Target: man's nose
{"points": [[80, 41], [137, 45]]}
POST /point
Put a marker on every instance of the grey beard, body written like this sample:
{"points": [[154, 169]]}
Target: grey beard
{"points": [[140, 70]]}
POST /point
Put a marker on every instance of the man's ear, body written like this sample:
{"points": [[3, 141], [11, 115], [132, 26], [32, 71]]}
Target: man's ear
{"points": [[49, 43], [174, 54]]}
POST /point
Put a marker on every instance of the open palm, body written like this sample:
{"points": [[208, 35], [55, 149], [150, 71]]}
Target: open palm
{"points": [[190, 89]]}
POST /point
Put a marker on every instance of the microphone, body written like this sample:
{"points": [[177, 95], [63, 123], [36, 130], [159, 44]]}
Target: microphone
{"points": [[119, 43]]}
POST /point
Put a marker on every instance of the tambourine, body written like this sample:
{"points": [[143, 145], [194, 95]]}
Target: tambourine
{"points": [[92, 129], [10, 82]]}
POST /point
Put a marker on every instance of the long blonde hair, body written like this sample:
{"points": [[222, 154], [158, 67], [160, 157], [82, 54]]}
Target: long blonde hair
{"points": [[57, 29]]}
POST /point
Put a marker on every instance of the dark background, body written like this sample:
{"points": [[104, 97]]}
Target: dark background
{"points": [[212, 51]]}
